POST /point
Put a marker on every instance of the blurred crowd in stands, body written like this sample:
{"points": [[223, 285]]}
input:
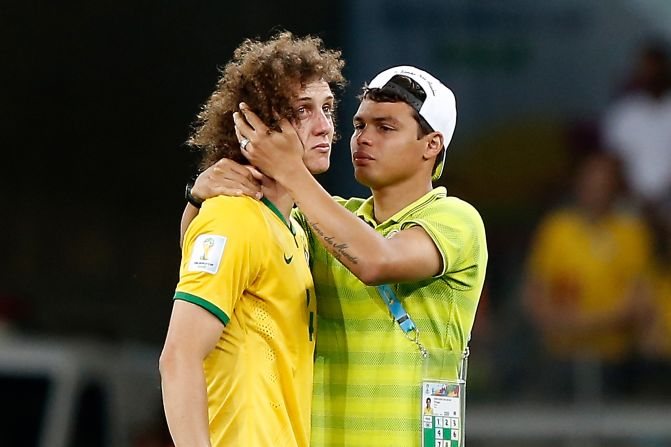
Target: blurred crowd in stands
{"points": [[595, 290]]}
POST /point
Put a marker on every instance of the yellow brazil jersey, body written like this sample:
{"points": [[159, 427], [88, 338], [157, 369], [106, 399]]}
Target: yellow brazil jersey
{"points": [[246, 265], [590, 268], [367, 372]]}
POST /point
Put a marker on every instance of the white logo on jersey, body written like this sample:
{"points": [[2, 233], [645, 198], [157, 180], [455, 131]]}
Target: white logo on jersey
{"points": [[206, 253]]}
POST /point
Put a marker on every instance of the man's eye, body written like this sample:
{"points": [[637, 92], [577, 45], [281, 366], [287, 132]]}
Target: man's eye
{"points": [[328, 110], [358, 126], [301, 111]]}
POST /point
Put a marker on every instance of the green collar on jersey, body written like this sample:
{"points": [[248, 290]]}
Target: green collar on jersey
{"points": [[367, 212], [277, 212]]}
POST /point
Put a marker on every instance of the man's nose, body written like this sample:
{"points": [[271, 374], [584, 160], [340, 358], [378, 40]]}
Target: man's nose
{"points": [[324, 124], [362, 136]]}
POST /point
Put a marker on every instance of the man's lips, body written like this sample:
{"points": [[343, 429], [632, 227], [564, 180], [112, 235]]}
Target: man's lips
{"points": [[361, 156], [322, 147]]}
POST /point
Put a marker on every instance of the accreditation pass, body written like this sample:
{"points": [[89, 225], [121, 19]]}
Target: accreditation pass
{"points": [[442, 413]]}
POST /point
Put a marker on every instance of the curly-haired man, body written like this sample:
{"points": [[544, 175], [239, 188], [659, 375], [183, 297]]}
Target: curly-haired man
{"points": [[237, 363]]}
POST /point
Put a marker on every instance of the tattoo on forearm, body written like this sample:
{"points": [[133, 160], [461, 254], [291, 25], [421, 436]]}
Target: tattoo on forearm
{"points": [[338, 250]]}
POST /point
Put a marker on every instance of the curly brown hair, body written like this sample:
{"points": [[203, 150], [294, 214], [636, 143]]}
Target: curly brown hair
{"points": [[265, 75]]}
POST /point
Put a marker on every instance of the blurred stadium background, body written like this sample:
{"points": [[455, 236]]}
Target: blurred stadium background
{"points": [[96, 103]]}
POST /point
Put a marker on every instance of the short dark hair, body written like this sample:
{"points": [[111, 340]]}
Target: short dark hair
{"points": [[401, 89]]}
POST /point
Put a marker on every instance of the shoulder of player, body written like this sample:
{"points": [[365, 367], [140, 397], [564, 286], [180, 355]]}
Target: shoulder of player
{"points": [[242, 203], [452, 207], [457, 203], [229, 212]]}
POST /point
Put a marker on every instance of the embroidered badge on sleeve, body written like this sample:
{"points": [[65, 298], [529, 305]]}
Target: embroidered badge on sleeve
{"points": [[206, 253]]}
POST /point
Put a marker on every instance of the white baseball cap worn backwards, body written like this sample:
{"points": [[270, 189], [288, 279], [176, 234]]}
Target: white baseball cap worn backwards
{"points": [[438, 109]]}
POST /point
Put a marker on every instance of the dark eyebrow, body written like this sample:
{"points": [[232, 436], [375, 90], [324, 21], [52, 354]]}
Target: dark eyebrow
{"points": [[378, 119], [310, 98]]}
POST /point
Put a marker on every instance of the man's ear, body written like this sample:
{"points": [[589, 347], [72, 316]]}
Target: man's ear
{"points": [[434, 144]]}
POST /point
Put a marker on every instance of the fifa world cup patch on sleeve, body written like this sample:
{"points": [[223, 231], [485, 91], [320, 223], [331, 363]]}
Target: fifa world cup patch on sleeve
{"points": [[206, 253]]}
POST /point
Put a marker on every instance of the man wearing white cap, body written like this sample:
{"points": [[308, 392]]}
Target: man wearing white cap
{"points": [[399, 305]]}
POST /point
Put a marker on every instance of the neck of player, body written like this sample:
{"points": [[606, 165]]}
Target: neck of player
{"points": [[389, 200], [279, 196]]}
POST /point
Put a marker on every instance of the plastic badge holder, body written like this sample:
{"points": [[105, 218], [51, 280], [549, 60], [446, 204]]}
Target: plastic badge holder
{"points": [[442, 413], [443, 402]]}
